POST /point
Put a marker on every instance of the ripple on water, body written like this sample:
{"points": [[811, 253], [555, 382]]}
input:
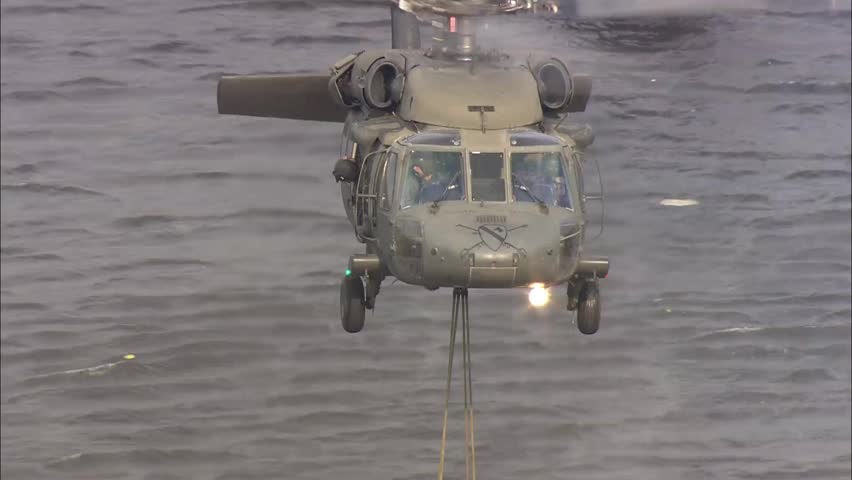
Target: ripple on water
{"points": [[48, 189], [252, 5]]}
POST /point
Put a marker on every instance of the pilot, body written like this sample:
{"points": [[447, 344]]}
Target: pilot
{"points": [[424, 177], [563, 198], [418, 177]]}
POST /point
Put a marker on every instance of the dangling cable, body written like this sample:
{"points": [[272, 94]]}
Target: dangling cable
{"points": [[465, 351], [453, 327], [460, 302], [471, 447]]}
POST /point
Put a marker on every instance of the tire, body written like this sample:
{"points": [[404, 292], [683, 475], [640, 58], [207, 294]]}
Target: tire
{"points": [[352, 304], [589, 309]]}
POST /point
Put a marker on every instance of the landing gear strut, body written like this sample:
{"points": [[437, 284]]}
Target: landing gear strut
{"points": [[372, 290], [460, 303]]}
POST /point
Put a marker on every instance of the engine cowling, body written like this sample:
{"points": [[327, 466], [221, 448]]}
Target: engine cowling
{"points": [[371, 80], [554, 84], [558, 90], [382, 84]]}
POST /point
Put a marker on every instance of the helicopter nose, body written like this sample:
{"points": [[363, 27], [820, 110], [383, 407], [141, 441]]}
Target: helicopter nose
{"points": [[510, 256], [512, 253]]}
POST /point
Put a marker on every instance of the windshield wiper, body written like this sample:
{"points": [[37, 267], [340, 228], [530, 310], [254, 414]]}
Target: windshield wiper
{"points": [[522, 186], [446, 190]]}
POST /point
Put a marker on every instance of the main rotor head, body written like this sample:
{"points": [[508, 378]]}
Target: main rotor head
{"points": [[466, 8]]}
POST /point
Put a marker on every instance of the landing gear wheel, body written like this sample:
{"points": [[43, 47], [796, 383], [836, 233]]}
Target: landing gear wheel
{"points": [[589, 309], [352, 304]]}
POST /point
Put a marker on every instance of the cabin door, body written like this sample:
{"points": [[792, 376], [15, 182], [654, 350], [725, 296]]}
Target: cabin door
{"points": [[386, 205], [365, 202]]}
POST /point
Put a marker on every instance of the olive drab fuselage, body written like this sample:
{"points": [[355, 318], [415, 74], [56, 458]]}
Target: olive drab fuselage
{"points": [[464, 242], [459, 165], [494, 105], [484, 109]]}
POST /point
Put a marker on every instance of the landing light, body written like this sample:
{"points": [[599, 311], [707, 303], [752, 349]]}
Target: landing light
{"points": [[539, 295]]}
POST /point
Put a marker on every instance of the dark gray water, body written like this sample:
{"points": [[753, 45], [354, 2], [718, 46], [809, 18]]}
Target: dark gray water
{"points": [[136, 220]]}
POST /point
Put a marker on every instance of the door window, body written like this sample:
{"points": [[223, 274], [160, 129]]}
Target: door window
{"points": [[364, 181], [388, 185]]}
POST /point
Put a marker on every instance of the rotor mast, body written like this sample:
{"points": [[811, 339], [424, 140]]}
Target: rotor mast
{"points": [[455, 28], [456, 37]]}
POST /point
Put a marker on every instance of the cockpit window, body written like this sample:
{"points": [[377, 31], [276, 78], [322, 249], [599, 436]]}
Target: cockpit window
{"points": [[436, 138], [540, 176], [531, 139], [432, 176], [488, 180]]}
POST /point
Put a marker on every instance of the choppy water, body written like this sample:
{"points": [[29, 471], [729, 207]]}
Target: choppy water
{"points": [[137, 220]]}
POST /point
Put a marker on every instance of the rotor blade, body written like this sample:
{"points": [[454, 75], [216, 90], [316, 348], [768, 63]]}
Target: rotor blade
{"points": [[640, 8], [299, 97], [405, 29], [582, 90]]}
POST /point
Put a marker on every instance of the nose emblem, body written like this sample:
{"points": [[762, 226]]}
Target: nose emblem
{"points": [[493, 236]]}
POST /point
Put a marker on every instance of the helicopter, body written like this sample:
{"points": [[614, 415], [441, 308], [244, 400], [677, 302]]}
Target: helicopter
{"points": [[456, 166], [460, 166]]}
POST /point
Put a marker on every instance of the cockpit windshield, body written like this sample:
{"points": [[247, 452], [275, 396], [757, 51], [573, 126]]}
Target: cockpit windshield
{"points": [[432, 176], [540, 177]]}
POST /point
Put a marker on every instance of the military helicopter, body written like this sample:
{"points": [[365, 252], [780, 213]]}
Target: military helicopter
{"points": [[457, 168]]}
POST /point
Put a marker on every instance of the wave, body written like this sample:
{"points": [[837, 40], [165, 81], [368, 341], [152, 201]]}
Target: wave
{"points": [[803, 88], [37, 257], [809, 375], [55, 9], [24, 168], [364, 24], [273, 5], [219, 175], [142, 221], [214, 76], [818, 174], [90, 82], [33, 95], [174, 46], [771, 62], [81, 54], [24, 306], [800, 109], [142, 458], [302, 39], [47, 189]]}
